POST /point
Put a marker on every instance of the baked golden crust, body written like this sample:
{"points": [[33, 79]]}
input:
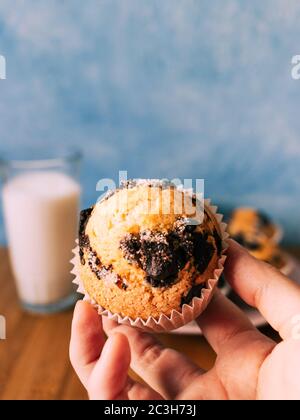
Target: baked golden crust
{"points": [[141, 264]]}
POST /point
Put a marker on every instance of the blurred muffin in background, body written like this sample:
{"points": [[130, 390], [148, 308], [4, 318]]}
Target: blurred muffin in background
{"points": [[249, 223], [255, 231]]}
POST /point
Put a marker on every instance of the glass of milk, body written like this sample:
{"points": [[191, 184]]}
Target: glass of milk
{"points": [[41, 206]]}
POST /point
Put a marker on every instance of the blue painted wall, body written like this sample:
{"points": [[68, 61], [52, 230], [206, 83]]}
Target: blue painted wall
{"points": [[187, 88]]}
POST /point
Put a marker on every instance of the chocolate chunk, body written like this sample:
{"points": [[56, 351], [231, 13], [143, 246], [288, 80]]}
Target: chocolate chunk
{"points": [[203, 251], [250, 245], [158, 261], [84, 241], [81, 255], [264, 220], [195, 291], [121, 284], [152, 252], [160, 255], [181, 243], [131, 247], [84, 218], [240, 238], [218, 242], [253, 246], [96, 265], [161, 282], [102, 271]]}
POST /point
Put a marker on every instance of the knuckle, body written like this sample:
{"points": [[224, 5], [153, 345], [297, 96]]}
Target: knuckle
{"points": [[151, 352]]}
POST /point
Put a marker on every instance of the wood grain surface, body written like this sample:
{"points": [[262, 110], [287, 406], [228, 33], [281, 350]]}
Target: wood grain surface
{"points": [[34, 361]]}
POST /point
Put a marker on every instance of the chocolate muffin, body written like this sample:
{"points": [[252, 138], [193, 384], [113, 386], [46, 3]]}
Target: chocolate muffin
{"points": [[256, 232], [250, 224], [140, 263]]}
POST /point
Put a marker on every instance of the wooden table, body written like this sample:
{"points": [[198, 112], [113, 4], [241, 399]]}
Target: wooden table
{"points": [[34, 361]]}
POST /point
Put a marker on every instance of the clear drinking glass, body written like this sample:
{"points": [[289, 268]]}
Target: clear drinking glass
{"points": [[41, 200]]}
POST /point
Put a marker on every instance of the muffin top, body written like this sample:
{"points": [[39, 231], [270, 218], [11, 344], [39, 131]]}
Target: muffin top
{"points": [[145, 250], [248, 224]]}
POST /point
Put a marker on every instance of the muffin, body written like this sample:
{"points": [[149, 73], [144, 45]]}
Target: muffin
{"points": [[139, 263], [258, 234], [258, 246], [249, 223]]}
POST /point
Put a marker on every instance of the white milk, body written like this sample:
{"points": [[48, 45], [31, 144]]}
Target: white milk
{"points": [[41, 214]]}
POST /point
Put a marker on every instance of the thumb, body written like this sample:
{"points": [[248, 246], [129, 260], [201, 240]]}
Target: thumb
{"points": [[110, 374]]}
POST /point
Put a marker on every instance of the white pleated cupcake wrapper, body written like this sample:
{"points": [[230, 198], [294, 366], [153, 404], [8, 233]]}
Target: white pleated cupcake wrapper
{"points": [[177, 319]]}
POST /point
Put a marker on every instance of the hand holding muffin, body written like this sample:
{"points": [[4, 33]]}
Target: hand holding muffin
{"points": [[249, 365]]}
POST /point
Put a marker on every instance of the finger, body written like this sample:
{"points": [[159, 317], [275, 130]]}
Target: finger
{"points": [[87, 340], [264, 287], [165, 370], [109, 379], [223, 321]]}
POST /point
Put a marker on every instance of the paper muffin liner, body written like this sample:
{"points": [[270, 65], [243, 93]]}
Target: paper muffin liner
{"points": [[177, 319]]}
